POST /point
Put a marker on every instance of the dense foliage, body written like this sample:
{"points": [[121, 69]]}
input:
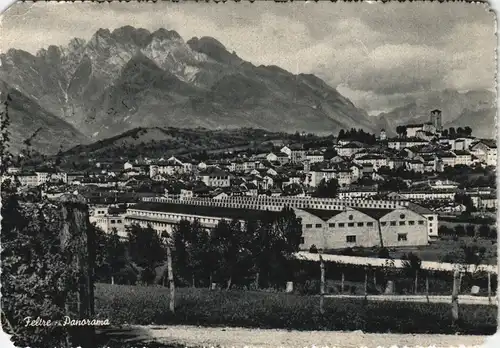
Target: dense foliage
{"points": [[237, 254], [231, 254], [39, 277], [469, 230], [357, 135], [327, 188], [458, 132], [470, 176]]}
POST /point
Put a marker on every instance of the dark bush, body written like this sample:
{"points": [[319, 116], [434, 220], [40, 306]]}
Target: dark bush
{"points": [[460, 230], [383, 253], [147, 276], [471, 230], [347, 252]]}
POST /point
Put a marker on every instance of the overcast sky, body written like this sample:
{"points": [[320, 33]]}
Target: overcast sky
{"points": [[374, 54]]}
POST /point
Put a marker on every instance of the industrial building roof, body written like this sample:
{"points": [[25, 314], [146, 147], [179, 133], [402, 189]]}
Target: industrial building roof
{"points": [[201, 210]]}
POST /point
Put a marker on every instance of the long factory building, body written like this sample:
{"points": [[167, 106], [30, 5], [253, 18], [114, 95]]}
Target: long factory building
{"points": [[326, 223]]}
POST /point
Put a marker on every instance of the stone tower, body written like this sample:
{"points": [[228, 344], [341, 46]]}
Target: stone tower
{"points": [[436, 119]]}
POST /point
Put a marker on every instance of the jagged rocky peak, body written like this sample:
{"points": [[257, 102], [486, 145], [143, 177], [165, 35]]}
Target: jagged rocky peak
{"points": [[214, 49], [102, 32], [129, 34], [76, 42], [52, 54], [206, 41], [15, 56], [74, 46], [100, 36], [165, 34]]}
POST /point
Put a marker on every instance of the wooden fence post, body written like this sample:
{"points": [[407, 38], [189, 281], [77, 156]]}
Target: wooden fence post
{"points": [[416, 281], [489, 287], [322, 286], [427, 286], [460, 282], [454, 298], [171, 282], [342, 284], [366, 281]]}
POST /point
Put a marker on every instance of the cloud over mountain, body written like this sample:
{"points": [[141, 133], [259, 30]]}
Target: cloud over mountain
{"points": [[383, 50]]}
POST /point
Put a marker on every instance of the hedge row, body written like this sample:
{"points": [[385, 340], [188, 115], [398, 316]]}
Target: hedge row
{"points": [[123, 304]]}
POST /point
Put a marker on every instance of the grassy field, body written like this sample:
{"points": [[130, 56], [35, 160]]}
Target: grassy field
{"points": [[436, 250], [123, 304]]}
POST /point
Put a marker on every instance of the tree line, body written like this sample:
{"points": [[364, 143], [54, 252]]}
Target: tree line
{"points": [[254, 253], [483, 231], [458, 132], [357, 135]]}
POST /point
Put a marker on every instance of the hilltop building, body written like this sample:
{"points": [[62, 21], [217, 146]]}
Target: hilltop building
{"points": [[383, 135]]}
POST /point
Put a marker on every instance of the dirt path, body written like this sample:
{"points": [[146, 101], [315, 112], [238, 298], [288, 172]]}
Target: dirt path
{"points": [[462, 299], [192, 336]]}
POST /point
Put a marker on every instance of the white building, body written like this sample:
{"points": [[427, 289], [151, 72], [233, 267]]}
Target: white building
{"points": [[263, 202], [295, 153], [485, 151], [326, 229], [280, 157], [99, 216], [412, 129], [215, 178], [401, 143], [27, 179], [349, 149], [315, 157], [462, 157], [375, 160]]}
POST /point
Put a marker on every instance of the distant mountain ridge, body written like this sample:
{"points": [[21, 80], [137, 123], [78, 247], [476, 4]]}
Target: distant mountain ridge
{"points": [[476, 109], [33, 128], [129, 78]]}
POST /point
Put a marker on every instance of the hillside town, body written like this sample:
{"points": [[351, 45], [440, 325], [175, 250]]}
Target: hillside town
{"points": [[362, 187]]}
